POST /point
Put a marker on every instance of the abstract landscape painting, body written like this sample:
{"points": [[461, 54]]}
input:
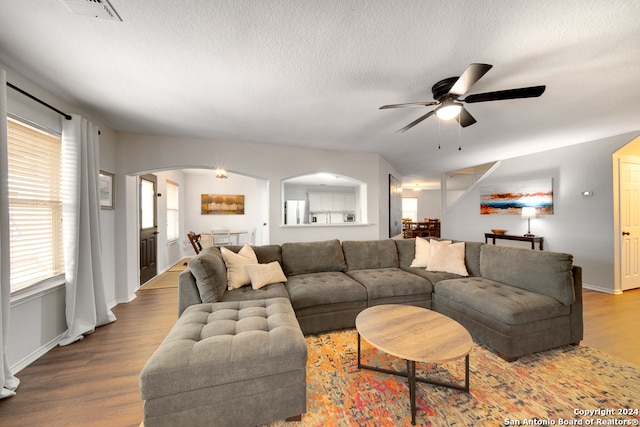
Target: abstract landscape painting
{"points": [[222, 204], [509, 199]]}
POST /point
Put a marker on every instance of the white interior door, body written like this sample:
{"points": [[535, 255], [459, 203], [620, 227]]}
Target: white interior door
{"points": [[630, 224]]}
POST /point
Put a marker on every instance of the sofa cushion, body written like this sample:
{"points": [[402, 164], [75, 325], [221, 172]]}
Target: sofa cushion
{"points": [[246, 293], [315, 289], [432, 276], [264, 253], [472, 257], [406, 251], [312, 257], [361, 255], [508, 304], [547, 273], [390, 282], [210, 273]]}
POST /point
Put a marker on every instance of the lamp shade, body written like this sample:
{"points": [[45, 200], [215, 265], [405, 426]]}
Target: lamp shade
{"points": [[221, 173], [448, 111], [528, 212]]}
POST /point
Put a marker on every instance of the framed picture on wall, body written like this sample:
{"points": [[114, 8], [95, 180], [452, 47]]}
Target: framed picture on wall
{"points": [[509, 198], [395, 206], [106, 181], [222, 204]]}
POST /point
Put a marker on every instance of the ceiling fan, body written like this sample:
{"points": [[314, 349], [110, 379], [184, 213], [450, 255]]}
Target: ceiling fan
{"points": [[448, 93]]}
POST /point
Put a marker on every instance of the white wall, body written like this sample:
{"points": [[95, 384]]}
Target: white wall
{"points": [[206, 183], [582, 226], [139, 154]]}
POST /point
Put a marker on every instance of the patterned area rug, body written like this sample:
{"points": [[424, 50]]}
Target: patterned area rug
{"points": [[575, 384]]}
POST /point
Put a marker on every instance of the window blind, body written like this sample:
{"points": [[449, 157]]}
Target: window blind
{"points": [[35, 205]]}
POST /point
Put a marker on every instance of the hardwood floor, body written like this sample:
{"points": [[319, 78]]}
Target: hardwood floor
{"points": [[94, 382], [612, 323]]}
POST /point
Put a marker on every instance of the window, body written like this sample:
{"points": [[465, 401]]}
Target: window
{"points": [[173, 212], [410, 208], [35, 205]]}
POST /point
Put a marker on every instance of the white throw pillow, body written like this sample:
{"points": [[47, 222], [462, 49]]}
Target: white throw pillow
{"points": [[422, 253], [448, 258], [265, 274], [237, 275]]}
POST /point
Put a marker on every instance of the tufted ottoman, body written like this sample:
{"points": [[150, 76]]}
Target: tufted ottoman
{"points": [[229, 364]]}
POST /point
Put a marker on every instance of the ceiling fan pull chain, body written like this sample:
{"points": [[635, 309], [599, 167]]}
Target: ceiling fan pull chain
{"points": [[459, 132], [439, 121]]}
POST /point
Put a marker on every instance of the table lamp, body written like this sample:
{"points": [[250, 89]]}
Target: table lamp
{"points": [[528, 212]]}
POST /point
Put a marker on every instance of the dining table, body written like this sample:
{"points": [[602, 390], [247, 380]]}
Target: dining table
{"points": [[207, 237]]}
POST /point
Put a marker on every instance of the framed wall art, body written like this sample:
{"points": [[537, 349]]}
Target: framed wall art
{"points": [[510, 198], [222, 204], [105, 188], [395, 206]]}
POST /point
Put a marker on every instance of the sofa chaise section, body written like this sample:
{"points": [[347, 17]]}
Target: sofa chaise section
{"points": [[525, 301], [236, 363]]}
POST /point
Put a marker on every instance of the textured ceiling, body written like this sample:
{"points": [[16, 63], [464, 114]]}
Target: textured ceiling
{"points": [[313, 73]]}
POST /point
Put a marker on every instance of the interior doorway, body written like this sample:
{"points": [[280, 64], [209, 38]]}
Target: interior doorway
{"points": [[148, 228], [626, 170]]}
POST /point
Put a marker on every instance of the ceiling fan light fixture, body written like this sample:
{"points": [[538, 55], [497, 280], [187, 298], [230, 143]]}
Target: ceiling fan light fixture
{"points": [[448, 111]]}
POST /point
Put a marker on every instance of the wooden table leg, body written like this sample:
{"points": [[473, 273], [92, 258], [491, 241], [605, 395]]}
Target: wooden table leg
{"points": [[411, 375]]}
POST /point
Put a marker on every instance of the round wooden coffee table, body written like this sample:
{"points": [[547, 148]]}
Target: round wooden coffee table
{"points": [[414, 334]]}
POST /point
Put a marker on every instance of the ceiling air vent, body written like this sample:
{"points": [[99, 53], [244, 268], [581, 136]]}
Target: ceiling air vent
{"points": [[96, 8]]}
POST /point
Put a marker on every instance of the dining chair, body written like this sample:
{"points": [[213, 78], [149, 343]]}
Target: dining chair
{"points": [[194, 239], [221, 236]]}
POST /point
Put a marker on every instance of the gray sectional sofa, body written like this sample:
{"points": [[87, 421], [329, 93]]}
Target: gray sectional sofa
{"points": [[515, 301]]}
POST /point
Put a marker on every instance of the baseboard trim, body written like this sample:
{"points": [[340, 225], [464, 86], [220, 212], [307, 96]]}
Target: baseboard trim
{"points": [[601, 289], [35, 355], [122, 300]]}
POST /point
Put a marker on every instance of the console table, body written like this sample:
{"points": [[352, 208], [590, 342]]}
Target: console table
{"points": [[533, 240]]}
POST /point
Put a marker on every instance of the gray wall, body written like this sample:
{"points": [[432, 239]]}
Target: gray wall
{"points": [[582, 226]]}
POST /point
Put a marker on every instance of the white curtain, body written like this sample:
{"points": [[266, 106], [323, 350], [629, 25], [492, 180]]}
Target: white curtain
{"points": [[86, 305], [8, 383]]}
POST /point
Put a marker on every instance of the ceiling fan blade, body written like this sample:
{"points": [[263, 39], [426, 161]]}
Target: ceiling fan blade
{"points": [[410, 104], [471, 75], [524, 92], [465, 118], [415, 122]]}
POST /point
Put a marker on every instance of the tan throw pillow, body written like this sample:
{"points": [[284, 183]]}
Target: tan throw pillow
{"points": [[448, 258], [237, 275], [265, 274]]}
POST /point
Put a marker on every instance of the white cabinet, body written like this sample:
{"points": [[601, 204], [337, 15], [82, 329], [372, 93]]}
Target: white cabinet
{"points": [[337, 202], [315, 202], [332, 202], [349, 202]]}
